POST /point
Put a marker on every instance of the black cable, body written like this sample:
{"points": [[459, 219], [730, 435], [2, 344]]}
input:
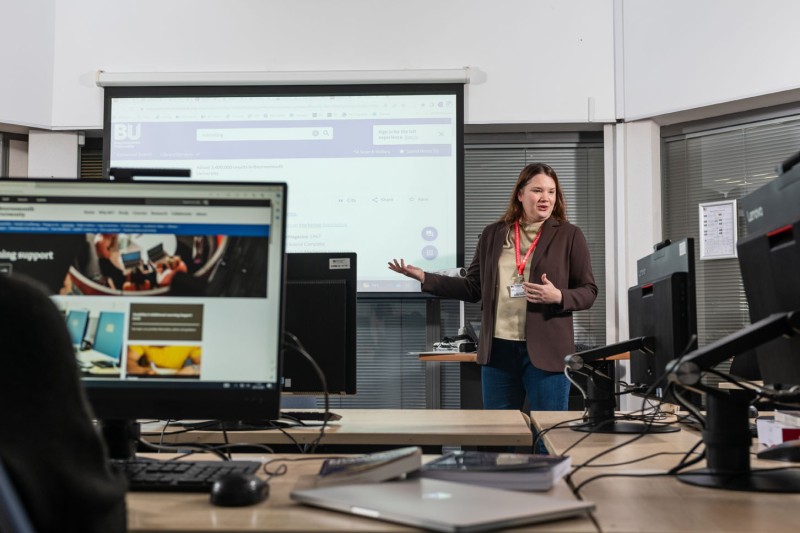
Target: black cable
{"points": [[632, 461], [299, 348], [283, 469], [649, 423], [585, 482], [559, 425], [226, 441], [248, 445], [688, 406], [636, 437], [193, 448], [685, 462]]}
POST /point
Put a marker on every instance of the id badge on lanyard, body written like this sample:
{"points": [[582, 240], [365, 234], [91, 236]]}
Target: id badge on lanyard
{"points": [[516, 289]]}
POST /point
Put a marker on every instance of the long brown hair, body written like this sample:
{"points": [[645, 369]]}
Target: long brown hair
{"points": [[514, 210]]}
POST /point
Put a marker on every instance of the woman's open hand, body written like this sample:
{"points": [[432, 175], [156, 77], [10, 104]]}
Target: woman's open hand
{"points": [[407, 270]]}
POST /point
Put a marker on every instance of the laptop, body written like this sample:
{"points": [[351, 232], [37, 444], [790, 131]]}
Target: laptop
{"points": [[442, 505], [156, 252], [131, 259]]}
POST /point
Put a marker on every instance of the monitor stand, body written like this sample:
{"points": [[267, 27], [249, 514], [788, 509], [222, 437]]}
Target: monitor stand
{"points": [[727, 438], [287, 419], [121, 437], [601, 404], [228, 425]]}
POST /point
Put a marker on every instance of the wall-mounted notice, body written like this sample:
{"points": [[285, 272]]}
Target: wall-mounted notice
{"points": [[718, 230]]}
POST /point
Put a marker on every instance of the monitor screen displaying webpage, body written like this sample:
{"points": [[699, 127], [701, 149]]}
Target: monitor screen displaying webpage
{"points": [[375, 170], [182, 284]]}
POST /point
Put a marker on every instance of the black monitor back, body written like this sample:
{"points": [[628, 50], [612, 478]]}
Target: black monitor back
{"points": [[663, 310], [321, 313], [769, 259]]}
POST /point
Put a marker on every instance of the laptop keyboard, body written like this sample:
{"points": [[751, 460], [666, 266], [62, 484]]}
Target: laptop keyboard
{"points": [[179, 476]]}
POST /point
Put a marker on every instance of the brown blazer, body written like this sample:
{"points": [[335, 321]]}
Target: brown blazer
{"points": [[562, 253]]}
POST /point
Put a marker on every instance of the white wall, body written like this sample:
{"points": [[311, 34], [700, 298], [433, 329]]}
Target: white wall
{"points": [[685, 54], [26, 63], [53, 154], [17, 158], [533, 60], [633, 216], [633, 220]]}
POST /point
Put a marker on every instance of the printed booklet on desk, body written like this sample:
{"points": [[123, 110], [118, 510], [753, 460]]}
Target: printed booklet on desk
{"points": [[515, 471], [373, 467], [789, 417]]}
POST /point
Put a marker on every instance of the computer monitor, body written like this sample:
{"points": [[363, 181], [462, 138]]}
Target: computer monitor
{"points": [[769, 259], [207, 345], [663, 307], [662, 323], [108, 338], [77, 321], [321, 312]]}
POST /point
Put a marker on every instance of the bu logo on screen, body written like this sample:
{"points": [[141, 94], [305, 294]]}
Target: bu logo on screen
{"points": [[127, 132]]}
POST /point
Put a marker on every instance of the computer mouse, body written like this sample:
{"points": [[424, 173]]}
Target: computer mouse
{"points": [[238, 490], [785, 451]]}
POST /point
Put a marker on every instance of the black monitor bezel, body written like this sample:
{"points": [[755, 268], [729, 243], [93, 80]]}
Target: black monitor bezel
{"points": [[134, 400]]}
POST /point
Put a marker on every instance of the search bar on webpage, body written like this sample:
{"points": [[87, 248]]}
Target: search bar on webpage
{"points": [[265, 134]]}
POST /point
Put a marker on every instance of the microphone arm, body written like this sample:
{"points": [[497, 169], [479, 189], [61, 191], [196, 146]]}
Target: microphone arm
{"points": [[686, 371], [576, 361]]}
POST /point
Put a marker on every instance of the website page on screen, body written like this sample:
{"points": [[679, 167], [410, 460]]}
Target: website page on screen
{"points": [[155, 282], [371, 174]]}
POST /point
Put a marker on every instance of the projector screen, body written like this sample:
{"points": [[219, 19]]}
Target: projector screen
{"points": [[375, 170]]}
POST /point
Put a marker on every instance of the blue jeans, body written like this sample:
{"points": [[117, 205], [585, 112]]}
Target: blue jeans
{"points": [[509, 377]]}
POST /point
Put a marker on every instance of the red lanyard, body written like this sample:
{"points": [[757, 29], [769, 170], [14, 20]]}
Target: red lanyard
{"points": [[521, 264]]}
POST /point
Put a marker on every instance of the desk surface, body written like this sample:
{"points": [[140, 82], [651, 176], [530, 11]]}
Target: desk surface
{"points": [[454, 357], [662, 503], [151, 511], [395, 427]]}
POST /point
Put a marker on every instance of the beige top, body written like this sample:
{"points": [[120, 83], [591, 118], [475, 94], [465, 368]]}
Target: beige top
{"points": [[510, 312]]}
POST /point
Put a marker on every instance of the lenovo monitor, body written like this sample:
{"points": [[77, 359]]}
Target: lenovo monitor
{"points": [[769, 259]]}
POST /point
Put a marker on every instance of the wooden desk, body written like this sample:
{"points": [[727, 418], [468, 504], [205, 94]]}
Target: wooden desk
{"points": [[394, 427], [159, 511], [663, 503], [470, 383]]}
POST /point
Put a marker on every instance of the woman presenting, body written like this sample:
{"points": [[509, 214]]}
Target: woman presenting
{"points": [[531, 270]]}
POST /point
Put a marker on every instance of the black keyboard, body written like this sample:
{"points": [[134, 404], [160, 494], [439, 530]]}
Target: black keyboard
{"points": [[179, 476]]}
